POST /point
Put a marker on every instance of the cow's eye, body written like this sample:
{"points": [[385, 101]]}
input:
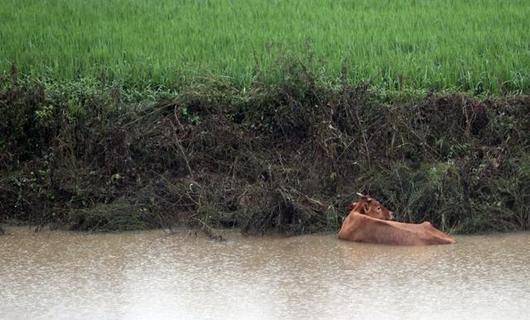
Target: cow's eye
{"points": [[379, 208]]}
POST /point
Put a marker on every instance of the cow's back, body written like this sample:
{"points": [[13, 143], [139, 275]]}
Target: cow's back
{"points": [[361, 228]]}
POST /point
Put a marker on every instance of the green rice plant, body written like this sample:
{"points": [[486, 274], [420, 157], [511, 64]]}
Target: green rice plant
{"points": [[481, 46]]}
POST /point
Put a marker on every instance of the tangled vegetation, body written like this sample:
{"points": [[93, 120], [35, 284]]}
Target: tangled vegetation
{"points": [[285, 157]]}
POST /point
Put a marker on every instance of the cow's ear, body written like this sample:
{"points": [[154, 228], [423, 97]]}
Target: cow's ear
{"points": [[365, 208]]}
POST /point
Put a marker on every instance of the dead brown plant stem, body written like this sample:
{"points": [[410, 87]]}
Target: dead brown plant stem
{"points": [[179, 143]]}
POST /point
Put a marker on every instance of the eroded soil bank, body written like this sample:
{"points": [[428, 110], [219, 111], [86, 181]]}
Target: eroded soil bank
{"points": [[287, 157]]}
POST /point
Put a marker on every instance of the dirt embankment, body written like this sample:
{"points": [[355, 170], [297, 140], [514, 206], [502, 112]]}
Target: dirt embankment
{"points": [[287, 157]]}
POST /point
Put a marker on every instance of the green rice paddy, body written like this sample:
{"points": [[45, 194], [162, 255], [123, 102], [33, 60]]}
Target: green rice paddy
{"points": [[480, 46]]}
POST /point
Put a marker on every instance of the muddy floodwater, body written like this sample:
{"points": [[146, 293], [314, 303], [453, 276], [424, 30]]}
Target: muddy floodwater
{"points": [[153, 275]]}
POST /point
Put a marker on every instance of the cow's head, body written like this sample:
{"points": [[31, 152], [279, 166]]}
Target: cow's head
{"points": [[372, 208]]}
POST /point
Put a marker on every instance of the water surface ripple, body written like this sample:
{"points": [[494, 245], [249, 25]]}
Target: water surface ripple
{"points": [[152, 275]]}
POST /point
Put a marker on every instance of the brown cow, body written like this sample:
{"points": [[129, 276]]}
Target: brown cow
{"points": [[369, 221]]}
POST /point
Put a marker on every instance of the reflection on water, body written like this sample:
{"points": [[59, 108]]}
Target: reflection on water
{"points": [[150, 275]]}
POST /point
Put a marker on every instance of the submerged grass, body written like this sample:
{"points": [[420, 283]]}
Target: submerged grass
{"points": [[473, 46], [287, 156]]}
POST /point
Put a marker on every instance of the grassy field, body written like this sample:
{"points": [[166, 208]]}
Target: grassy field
{"points": [[480, 46]]}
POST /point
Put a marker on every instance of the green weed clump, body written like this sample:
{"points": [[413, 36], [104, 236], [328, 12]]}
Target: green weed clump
{"points": [[474, 46]]}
